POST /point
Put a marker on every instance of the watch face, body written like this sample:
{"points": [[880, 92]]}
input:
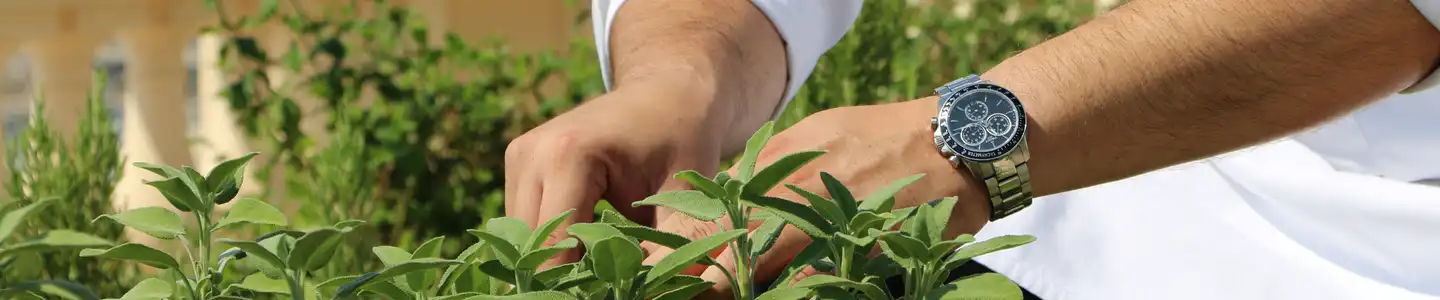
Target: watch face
{"points": [[982, 122]]}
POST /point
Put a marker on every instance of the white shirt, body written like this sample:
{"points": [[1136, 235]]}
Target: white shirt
{"points": [[1330, 213]]}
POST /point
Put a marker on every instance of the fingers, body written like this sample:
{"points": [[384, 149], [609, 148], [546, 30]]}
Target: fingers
{"points": [[572, 189], [687, 227]]}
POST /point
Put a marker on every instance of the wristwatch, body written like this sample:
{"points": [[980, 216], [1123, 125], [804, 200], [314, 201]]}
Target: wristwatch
{"points": [[981, 126]]}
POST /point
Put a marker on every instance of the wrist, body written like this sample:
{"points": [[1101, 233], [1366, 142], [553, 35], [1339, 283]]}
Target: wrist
{"points": [[943, 179]]}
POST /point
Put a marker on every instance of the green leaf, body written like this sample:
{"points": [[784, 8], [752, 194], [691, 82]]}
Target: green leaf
{"points": [[430, 249], [347, 225], [251, 210], [553, 274], [533, 260], [388, 290], [687, 255], [513, 231], [260, 283], [497, 270], [329, 287], [785, 294], [574, 280], [58, 288], [390, 255], [648, 234], [249, 49], [811, 253], [538, 237], [314, 250], [177, 193], [460, 296], [767, 178], [693, 203], [722, 177], [883, 199], [825, 207], [985, 247], [902, 247], [982, 286], [675, 283], [408, 267], [841, 194], [817, 281], [765, 236], [686, 292], [53, 240], [855, 241], [710, 188], [938, 217], [196, 182], [864, 221], [294, 59], [254, 249], [162, 170], [268, 8], [615, 218], [752, 150], [136, 252], [939, 250], [150, 289], [616, 259], [538, 295], [12, 219], [796, 214], [155, 221], [230, 171], [507, 253]]}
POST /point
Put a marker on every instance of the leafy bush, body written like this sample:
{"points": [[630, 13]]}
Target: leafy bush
{"points": [[80, 177], [414, 129], [506, 261]]}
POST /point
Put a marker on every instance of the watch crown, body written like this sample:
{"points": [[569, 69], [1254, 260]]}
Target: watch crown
{"points": [[946, 151], [934, 121], [955, 160]]}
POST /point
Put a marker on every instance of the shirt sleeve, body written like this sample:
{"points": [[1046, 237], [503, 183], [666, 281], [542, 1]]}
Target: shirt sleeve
{"points": [[1431, 10], [808, 28]]}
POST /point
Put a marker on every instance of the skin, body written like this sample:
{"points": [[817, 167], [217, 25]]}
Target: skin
{"points": [[1151, 84]]}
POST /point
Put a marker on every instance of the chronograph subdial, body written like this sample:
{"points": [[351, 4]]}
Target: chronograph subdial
{"points": [[972, 134], [999, 125]]}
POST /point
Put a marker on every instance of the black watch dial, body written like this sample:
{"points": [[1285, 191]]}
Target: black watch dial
{"points": [[984, 122]]}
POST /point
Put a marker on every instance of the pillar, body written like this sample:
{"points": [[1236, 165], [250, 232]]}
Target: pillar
{"points": [[218, 137], [154, 104], [7, 49], [61, 69]]}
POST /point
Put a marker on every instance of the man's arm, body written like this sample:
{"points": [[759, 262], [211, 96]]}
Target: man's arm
{"points": [[1161, 82]]}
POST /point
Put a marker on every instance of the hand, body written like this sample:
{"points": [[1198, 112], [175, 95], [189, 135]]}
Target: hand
{"points": [[869, 147], [622, 146]]}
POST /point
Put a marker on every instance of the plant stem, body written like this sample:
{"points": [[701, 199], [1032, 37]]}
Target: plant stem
{"points": [[189, 286], [618, 291], [296, 291], [844, 261], [522, 280], [204, 246]]}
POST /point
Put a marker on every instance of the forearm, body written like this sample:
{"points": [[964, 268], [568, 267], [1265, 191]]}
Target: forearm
{"points": [[1161, 82], [724, 57]]}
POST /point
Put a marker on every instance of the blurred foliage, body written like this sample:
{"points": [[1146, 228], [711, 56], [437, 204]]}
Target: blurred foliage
{"points": [[412, 128], [902, 50], [81, 176]]}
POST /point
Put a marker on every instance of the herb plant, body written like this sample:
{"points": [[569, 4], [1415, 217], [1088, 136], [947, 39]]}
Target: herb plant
{"points": [[18, 256]]}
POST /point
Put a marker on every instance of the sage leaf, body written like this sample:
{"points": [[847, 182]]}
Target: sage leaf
{"points": [[533, 260], [261, 284], [902, 247], [985, 247], [686, 292], [12, 219], [855, 241], [870, 290], [841, 194], [58, 288], [419, 281], [796, 214], [699, 182], [154, 221], [825, 207], [765, 236], [460, 296], [149, 289], [592, 233], [196, 182], [675, 283], [538, 295], [752, 150], [883, 199], [574, 280], [810, 254], [686, 255], [648, 234], [507, 253], [785, 294], [615, 218], [136, 252], [939, 216], [408, 267], [767, 178], [513, 231], [229, 172], [553, 274], [313, 250], [177, 193], [253, 211], [693, 203], [939, 250], [53, 240], [390, 255], [982, 286], [616, 259], [538, 237], [254, 249]]}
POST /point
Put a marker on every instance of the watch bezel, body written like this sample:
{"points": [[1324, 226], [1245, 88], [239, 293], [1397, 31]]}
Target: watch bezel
{"points": [[949, 145]]}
